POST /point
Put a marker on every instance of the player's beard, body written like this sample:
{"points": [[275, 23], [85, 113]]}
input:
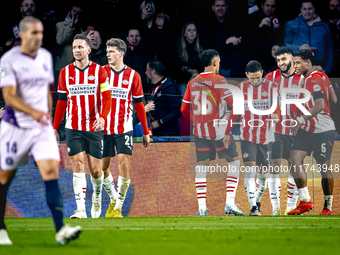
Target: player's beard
{"points": [[288, 67]]}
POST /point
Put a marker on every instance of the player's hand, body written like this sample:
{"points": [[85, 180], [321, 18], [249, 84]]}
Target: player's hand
{"points": [[155, 124], [226, 141], [275, 118], [99, 124], [56, 133], [295, 128], [146, 140], [265, 22], [150, 106], [43, 118]]}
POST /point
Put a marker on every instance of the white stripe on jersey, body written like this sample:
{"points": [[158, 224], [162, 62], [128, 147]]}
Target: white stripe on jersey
{"points": [[78, 98], [95, 97], [206, 129], [87, 106], [127, 124], [69, 107], [258, 131], [120, 78], [199, 131]]}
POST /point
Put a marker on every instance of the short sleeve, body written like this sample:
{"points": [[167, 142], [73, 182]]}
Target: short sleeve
{"points": [[7, 73], [186, 98], [51, 74], [61, 82], [137, 89]]}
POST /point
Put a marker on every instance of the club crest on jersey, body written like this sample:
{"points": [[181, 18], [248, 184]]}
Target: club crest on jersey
{"points": [[295, 86], [91, 78], [316, 87], [125, 82], [264, 94], [45, 67]]}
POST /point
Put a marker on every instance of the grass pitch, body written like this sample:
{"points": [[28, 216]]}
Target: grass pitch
{"points": [[181, 235]]}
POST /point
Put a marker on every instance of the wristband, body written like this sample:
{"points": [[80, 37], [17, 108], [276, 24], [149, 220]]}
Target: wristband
{"points": [[300, 119]]}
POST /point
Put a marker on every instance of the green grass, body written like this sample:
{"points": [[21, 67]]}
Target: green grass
{"points": [[181, 235]]}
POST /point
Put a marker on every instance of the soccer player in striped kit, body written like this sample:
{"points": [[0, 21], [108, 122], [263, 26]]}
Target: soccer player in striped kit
{"points": [[285, 77], [126, 86], [314, 133], [209, 138], [257, 132], [26, 75], [84, 94]]}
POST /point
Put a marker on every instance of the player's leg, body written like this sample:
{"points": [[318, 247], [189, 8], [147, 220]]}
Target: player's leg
{"points": [[108, 182], [298, 153], [232, 180], [322, 154], [76, 151], [124, 146], [6, 178], [205, 151], [249, 154]]}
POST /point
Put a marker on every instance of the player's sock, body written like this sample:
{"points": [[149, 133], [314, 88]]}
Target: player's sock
{"points": [[328, 202], [304, 194], [110, 188], [201, 186], [123, 185], [97, 185], [79, 187], [274, 186], [261, 185], [55, 203], [292, 193], [232, 181], [3, 200], [249, 184]]}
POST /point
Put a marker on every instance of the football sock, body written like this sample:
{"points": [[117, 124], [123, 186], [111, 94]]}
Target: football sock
{"points": [[123, 185], [274, 186], [97, 185], [304, 194], [292, 193], [55, 203], [328, 202], [201, 186], [249, 184], [79, 187], [109, 186], [261, 185], [232, 181], [3, 200]]}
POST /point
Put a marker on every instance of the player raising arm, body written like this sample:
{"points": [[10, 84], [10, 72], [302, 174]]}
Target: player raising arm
{"points": [[84, 94], [26, 74], [125, 84]]}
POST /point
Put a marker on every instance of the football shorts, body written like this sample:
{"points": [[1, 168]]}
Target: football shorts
{"points": [[259, 153], [282, 146], [122, 142]]}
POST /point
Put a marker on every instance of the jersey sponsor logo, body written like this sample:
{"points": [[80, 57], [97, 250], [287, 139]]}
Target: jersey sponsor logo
{"points": [[119, 93], [3, 72], [125, 82], [86, 89], [316, 87], [91, 78]]}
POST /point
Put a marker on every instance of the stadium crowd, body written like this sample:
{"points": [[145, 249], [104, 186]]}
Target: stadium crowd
{"points": [[177, 32]]}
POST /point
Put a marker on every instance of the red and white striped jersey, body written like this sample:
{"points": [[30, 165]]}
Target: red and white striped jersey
{"points": [[292, 81], [202, 88], [257, 128], [83, 89], [125, 85], [318, 82]]}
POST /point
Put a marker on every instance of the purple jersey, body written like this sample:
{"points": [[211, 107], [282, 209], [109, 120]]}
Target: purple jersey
{"points": [[31, 77]]}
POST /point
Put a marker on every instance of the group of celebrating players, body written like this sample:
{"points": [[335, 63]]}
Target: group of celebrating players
{"points": [[98, 105], [264, 143]]}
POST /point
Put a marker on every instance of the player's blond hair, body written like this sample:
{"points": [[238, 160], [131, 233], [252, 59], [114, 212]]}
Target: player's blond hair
{"points": [[27, 20], [116, 42]]}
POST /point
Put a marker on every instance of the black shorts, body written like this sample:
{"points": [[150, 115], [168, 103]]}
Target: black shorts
{"points": [[259, 153], [122, 142], [321, 144], [206, 149], [282, 146], [79, 141]]}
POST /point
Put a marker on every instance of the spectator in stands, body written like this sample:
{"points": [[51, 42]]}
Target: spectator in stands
{"points": [[218, 32], [262, 30], [333, 22], [308, 28], [166, 98], [65, 31], [137, 55], [98, 53]]}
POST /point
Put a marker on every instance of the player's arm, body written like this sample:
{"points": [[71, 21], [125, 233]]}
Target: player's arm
{"points": [[332, 95], [50, 100], [62, 101], [9, 94]]}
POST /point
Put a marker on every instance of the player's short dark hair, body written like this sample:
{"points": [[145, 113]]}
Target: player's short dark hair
{"points": [[157, 65], [253, 66], [304, 55], [82, 37], [305, 1], [27, 20], [207, 57], [282, 50], [118, 43]]}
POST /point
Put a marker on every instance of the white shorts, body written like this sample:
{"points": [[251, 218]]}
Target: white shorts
{"points": [[16, 143]]}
